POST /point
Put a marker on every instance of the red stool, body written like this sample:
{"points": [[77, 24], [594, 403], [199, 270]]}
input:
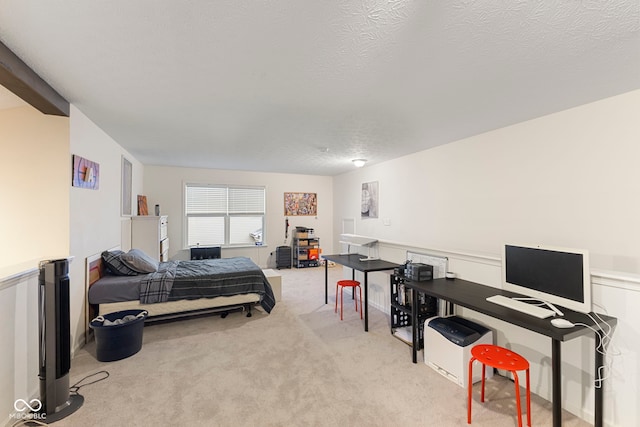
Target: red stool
{"points": [[353, 284], [500, 358]]}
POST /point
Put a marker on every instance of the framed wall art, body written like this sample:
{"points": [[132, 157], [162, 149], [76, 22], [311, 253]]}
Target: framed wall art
{"points": [[369, 201], [127, 174], [86, 174], [300, 204], [143, 209]]}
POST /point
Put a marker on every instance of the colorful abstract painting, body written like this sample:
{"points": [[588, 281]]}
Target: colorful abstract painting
{"points": [[298, 204]]}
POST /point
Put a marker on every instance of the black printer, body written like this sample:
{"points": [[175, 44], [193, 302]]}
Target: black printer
{"points": [[459, 331]]}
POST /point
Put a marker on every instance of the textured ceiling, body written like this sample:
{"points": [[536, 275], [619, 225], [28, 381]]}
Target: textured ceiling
{"points": [[306, 86]]}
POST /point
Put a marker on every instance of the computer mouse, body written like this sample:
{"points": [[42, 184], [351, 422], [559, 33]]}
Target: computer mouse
{"points": [[562, 323]]}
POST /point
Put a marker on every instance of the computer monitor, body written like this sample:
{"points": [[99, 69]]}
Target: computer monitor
{"points": [[557, 275]]}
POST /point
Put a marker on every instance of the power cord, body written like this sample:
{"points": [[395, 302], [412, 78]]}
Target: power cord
{"points": [[604, 342], [27, 422], [76, 387]]}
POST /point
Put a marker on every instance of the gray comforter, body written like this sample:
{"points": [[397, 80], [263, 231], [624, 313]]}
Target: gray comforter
{"points": [[177, 280]]}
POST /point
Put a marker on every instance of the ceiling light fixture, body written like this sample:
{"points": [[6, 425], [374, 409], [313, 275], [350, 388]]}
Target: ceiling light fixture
{"points": [[359, 162]]}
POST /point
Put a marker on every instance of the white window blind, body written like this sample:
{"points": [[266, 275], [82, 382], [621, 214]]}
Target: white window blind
{"points": [[241, 228], [205, 231], [224, 215], [206, 200], [246, 200]]}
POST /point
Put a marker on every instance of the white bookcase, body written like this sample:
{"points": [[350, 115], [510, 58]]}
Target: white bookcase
{"points": [[149, 233]]}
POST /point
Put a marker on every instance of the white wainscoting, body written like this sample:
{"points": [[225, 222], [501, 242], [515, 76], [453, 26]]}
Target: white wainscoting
{"points": [[19, 358]]}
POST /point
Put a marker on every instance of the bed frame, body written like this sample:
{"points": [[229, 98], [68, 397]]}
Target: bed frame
{"points": [[95, 269]]}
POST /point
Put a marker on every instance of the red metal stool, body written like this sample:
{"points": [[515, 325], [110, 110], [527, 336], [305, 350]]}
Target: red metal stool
{"points": [[500, 358], [353, 284]]}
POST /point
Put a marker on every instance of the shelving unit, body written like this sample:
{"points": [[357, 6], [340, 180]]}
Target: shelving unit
{"points": [[401, 302], [305, 248]]}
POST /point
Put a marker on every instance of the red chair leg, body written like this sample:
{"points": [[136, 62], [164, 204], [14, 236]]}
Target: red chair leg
{"points": [[528, 400], [518, 406], [361, 309], [482, 392], [341, 301], [336, 309], [469, 390]]}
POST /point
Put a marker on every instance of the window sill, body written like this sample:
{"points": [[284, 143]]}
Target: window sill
{"points": [[244, 246], [233, 247]]}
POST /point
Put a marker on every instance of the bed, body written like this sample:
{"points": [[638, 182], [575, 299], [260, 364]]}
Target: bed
{"points": [[175, 288]]}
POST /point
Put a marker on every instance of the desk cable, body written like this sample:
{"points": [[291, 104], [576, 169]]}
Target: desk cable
{"points": [[604, 341]]}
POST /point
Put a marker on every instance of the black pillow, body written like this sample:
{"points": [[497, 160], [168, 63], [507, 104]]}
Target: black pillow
{"points": [[115, 264]]}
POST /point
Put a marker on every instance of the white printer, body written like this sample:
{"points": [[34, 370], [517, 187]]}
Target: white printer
{"points": [[447, 347]]}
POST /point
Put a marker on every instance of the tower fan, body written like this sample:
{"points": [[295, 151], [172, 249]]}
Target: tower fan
{"points": [[55, 341]]}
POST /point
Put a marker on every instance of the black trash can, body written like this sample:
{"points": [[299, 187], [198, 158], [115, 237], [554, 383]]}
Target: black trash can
{"points": [[118, 341]]}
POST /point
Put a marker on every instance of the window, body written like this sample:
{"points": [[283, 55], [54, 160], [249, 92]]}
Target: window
{"points": [[224, 215]]}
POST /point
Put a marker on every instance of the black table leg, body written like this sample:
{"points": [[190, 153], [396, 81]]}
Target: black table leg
{"points": [[415, 327], [353, 290], [366, 302], [556, 395], [599, 392]]}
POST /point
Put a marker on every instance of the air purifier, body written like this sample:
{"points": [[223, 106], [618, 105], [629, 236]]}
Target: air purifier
{"points": [[55, 341]]}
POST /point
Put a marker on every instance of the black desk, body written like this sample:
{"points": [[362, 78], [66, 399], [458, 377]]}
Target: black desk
{"points": [[473, 296], [353, 261]]}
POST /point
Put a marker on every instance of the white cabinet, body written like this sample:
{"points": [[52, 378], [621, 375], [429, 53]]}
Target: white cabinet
{"points": [[149, 233]]}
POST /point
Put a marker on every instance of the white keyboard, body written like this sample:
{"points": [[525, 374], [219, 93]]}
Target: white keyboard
{"points": [[523, 307]]}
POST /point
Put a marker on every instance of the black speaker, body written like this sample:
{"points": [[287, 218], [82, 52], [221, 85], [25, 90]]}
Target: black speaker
{"points": [[55, 341]]}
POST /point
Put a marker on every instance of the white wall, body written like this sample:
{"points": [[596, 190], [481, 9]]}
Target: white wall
{"points": [[164, 186], [568, 179], [35, 175], [96, 223]]}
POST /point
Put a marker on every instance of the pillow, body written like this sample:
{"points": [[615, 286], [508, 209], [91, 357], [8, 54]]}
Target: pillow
{"points": [[139, 261], [115, 265]]}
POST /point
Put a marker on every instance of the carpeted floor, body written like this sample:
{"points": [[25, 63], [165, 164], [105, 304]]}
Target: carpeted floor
{"points": [[298, 366]]}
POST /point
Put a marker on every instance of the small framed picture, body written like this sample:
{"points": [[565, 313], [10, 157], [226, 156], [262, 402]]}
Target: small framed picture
{"points": [[143, 209], [86, 174]]}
